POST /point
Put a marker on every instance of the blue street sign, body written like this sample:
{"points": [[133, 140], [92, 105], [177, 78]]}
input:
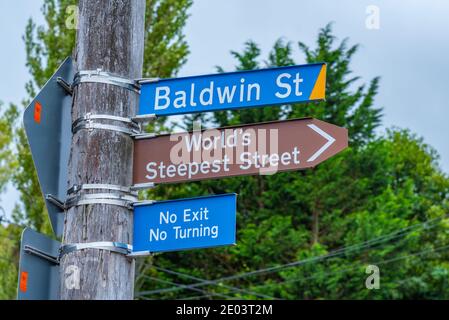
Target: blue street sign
{"points": [[184, 224], [234, 90]]}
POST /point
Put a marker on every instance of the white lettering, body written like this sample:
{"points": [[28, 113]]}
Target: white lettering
{"points": [[208, 91], [180, 101], [285, 86], [159, 97], [226, 95]]}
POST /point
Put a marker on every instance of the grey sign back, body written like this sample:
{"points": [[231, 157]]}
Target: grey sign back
{"points": [[47, 122], [38, 270]]}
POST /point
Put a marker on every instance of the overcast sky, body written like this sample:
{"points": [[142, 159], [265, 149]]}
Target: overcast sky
{"points": [[409, 50]]}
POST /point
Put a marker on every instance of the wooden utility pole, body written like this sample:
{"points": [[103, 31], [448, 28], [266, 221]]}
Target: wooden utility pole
{"points": [[110, 37]]}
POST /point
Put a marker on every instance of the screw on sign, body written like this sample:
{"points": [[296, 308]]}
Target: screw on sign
{"points": [[264, 148]]}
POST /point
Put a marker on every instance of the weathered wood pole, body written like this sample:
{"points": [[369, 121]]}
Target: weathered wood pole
{"points": [[110, 37]]}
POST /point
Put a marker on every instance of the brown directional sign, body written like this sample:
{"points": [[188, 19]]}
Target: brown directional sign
{"points": [[264, 148]]}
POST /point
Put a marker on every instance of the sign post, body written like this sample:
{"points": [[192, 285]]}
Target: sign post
{"points": [[184, 224], [264, 148], [109, 54], [233, 90]]}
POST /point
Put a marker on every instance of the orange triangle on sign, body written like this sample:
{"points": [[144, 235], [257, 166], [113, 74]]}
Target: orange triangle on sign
{"points": [[319, 90]]}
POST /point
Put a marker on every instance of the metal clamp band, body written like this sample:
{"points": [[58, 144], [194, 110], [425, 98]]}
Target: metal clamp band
{"points": [[92, 126], [86, 123], [104, 196], [80, 187], [116, 247], [118, 203], [91, 199], [125, 201], [90, 116], [98, 76]]}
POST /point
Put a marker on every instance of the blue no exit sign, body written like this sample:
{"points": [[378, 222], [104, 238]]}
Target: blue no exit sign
{"points": [[234, 90], [184, 224]]}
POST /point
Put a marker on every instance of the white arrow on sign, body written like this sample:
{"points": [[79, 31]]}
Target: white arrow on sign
{"points": [[329, 138]]}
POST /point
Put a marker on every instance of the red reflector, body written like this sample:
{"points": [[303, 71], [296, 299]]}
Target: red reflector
{"points": [[37, 112], [23, 281]]}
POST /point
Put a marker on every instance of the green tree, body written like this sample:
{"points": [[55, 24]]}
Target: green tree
{"points": [[46, 47], [6, 155], [9, 256]]}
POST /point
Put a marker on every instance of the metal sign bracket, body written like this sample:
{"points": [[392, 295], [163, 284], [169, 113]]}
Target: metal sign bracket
{"points": [[143, 186], [65, 85], [146, 118], [148, 80], [41, 254], [55, 201], [142, 254], [145, 136]]}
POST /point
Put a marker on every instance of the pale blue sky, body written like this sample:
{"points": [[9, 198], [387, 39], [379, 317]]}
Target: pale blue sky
{"points": [[409, 51]]}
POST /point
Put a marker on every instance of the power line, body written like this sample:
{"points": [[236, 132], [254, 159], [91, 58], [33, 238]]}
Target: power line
{"points": [[353, 268], [398, 233], [216, 282], [339, 272], [182, 286], [337, 252], [233, 289]]}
